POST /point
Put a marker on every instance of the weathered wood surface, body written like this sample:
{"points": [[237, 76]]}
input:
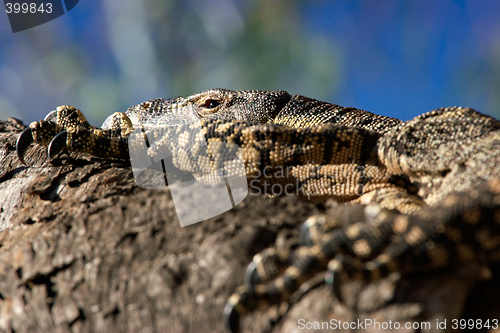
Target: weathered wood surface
{"points": [[83, 249]]}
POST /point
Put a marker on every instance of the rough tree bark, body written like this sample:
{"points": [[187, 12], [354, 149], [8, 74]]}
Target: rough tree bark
{"points": [[83, 249]]}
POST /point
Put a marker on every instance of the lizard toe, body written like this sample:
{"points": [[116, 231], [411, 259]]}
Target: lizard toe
{"points": [[315, 227], [263, 267]]}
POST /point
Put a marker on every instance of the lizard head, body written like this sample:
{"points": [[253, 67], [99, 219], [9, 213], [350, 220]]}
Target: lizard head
{"points": [[251, 105]]}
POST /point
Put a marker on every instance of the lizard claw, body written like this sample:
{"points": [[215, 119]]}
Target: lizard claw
{"points": [[333, 276], [231, 318], [252, 277], [24, 140], [305, 234], [51, 116], [57, 144]]}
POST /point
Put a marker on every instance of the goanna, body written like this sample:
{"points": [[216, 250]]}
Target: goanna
{"points": [[435, 179]]}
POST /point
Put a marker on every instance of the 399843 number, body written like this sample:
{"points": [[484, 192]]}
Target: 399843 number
{"points": [[25, 8], [474, 324]]}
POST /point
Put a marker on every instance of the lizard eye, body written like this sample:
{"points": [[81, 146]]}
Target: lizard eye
{"points": [[211, 103]]}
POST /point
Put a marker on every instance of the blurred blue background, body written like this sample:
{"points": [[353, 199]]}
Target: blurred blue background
{"points": [[396, 58]]}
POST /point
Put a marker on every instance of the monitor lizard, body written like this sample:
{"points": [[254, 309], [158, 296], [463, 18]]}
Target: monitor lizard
{"points": [[432, 184]]}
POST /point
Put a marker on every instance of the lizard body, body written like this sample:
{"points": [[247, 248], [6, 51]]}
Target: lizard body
{"points": [[435, 178]]}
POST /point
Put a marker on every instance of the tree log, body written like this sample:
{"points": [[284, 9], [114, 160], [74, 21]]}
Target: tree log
{"points": [[84, 249]]}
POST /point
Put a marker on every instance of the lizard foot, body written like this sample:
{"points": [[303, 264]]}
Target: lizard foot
{"points": [[273, 279], [272, 261], [67, 129], [379, 244]]}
